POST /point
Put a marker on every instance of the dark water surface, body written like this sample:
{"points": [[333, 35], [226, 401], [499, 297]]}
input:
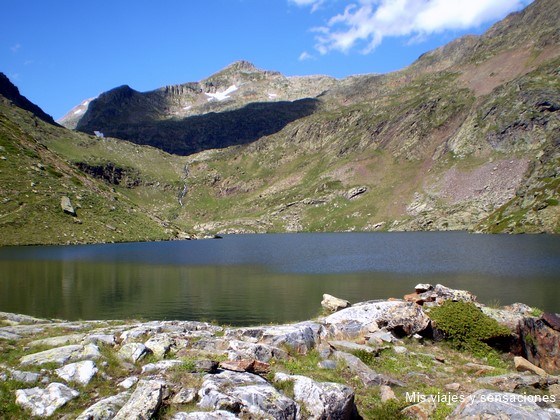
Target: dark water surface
{"points": [[250, 279]]}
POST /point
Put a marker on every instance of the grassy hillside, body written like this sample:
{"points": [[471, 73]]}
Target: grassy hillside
{"points": [[34, 178]]}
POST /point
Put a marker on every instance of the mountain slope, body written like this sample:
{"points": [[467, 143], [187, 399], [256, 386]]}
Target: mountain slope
{"points": [[34, 179], [467, 137]]}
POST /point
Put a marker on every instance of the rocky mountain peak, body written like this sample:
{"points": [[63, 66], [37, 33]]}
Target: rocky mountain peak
{"points": [[9, 91]]}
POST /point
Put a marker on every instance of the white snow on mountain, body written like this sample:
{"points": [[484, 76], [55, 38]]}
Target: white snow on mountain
{"points": [[221, 96]]}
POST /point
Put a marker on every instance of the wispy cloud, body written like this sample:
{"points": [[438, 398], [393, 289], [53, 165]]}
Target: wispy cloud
{"points": [[15, 48], [315, 4], [304, 56], [365, 23]]}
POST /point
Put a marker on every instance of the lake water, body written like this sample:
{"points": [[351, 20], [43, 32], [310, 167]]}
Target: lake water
{"points": [[253, 279]]}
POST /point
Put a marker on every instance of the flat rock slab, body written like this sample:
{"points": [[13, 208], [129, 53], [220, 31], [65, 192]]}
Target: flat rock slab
{"points": [[44, 402], [62, 355], [350, 346], [58, 341], [80, 372], [245, 393], [144, 401], [486, 404], [133, 352], [106, 408], [367, 375]]}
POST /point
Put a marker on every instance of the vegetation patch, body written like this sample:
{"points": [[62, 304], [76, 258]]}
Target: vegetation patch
{"points": [[466, 327]]}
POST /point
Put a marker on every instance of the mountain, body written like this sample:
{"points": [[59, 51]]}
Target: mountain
{"points": [[47, 199], [237, 105], [467, 137], [10, 92]]}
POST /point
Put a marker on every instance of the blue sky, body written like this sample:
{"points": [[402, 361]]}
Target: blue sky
{"points": [[60, 52]]}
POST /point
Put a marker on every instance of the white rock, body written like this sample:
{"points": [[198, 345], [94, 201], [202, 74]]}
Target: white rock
{"points": [[80, 372], [128, 382], [162, 365], [44, 402], [204, 415], [106, 408], [62, 355], [159, 345], [144, 401], [133, 352], [333, 304]]}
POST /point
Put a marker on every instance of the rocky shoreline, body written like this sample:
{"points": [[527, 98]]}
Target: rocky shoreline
{"points": [[375, 359]]}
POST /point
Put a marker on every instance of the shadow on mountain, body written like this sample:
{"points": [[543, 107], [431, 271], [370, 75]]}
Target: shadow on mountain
{"points": [[213, 130]]}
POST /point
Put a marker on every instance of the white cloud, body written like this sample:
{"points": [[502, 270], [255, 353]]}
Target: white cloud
{"points": [[15, 47], [304, 56], [365, 23], [315, 4]]}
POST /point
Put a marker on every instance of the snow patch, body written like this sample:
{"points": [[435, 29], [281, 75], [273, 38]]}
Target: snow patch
{"points": [[78, 111], [221, 96], [186, 108], [272, 95]]}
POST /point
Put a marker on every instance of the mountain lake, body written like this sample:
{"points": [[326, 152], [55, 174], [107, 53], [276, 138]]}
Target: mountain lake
{"points": [[272, 278]]}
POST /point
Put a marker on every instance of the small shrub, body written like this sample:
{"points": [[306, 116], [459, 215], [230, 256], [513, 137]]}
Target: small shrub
{"points": [[536, 312], [466, 327]]}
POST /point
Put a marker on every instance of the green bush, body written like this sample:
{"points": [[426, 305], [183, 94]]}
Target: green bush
{"points": [[466, 327]]}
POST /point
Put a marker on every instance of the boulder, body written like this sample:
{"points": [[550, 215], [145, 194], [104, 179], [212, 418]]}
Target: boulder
{"points": [[333, 304], [403, 318], [245, 393], [262, 352], [44, 402], [522, 365], [367, 375], [67, 206], [349, 346], [322, 400], [185, 396], [540, 344], [160, 345], [552, 320], [57, 341], [489, 404], [105, 409], [355, 192], [80, 372], [512, 381], [438, 294], [386, 393], [160, 366], [133, 352], [26, 377], [144, 401], [62, 355], [128, 382], [300, 337]]}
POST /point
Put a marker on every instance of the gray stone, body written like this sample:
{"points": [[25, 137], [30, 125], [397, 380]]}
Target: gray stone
{"points": [[301, 337], [62, 355], [423, 287], [162, 365], [367, 375], [160, 345], [322, 399], [400, 349], [399, 316], [485, 404], [44, 402], [327, 364], [355, 192], [381, 336], [144, 401], [22, 319], [57, 341], [108, 339], [81, 372], [26, 377], [244, 392], [333, 304], [262, 352], [133, 352], [185, 396], [128, 382], [512, 381], [67, 206], [349, 346], [386, 393], [105, 409]]}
